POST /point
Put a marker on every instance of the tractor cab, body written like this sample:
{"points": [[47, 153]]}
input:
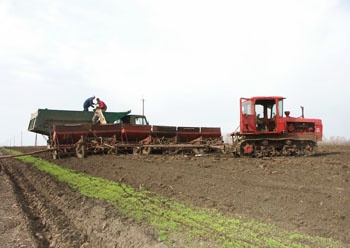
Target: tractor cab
{"points": [[260, 114]]}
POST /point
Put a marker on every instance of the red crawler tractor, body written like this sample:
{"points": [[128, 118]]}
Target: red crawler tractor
{"points": [[267, 130]]}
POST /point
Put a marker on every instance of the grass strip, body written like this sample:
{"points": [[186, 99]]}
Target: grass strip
{"points": [[171, 218]]}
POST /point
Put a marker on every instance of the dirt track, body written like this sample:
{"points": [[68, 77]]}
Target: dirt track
{"points": [[310, 194]]}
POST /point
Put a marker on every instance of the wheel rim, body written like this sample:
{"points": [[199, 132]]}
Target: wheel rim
{"points": [[247, 149]]}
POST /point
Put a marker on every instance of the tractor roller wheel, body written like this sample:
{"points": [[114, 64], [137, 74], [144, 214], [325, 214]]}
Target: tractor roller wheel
{"points": [[309, 150], [247, 149]]}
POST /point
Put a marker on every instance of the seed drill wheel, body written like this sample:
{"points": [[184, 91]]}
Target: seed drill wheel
{"points": [[198, 150], [80, 150], [146, 150], [55, 154], [116, 150], [136, 150]]}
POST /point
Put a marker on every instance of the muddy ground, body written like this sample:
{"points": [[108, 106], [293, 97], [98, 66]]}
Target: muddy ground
{"points": [[309, 194]]}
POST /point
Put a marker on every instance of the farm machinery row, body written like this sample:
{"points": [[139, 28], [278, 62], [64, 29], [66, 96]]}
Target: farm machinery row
{"points": [[72, 132], [265, 130]]}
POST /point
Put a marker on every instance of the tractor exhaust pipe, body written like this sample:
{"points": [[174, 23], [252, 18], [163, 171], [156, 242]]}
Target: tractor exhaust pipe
{"points": [[302, 111]]}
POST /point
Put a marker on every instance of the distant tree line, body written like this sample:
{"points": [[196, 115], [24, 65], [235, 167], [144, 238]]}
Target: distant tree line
{"points": [[336, 140]]}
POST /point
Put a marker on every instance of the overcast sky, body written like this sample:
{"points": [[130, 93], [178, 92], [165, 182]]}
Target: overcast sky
{"points": [[190, 60]]}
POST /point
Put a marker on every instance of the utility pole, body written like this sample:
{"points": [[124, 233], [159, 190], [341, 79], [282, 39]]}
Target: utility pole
{"points": [[143, 106]]}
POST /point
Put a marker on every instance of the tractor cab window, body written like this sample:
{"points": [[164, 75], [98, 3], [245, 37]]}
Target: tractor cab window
{"points": [[135, 120], [246, 108], [273, 111], [259, 111], [265, 111], [280, 107], [266, 108], [141, 120]]}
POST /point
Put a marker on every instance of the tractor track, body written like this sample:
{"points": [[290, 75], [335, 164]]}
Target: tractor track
{"points": [[45, 215], [57, 216], [30, 213]]}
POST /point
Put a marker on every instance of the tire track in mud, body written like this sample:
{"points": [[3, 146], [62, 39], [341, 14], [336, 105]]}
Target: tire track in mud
{"points": [[59, 216], [14, 224], [33, 221], [47, 221]]}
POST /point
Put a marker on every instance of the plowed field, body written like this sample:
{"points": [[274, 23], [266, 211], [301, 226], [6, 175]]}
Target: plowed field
{"points": [[310, 195]]}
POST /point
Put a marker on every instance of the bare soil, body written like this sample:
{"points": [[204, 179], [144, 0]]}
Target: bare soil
{"points": [[308, 194]]}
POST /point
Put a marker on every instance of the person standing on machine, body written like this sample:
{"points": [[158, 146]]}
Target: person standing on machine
{"points": [[101, 107]]}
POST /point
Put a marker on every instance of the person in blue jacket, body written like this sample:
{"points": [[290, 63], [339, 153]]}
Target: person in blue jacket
{"points": [[89, 103]]}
